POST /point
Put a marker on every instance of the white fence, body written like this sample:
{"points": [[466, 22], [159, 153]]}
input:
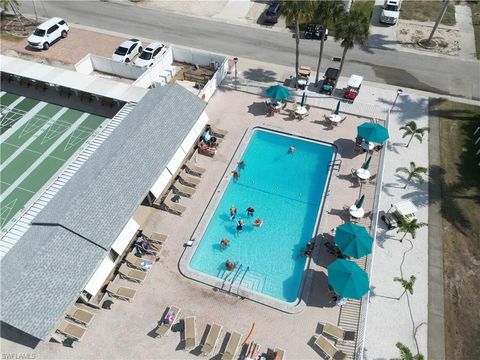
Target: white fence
{"points": [[102, 64], [161, 72], [211, 86]]}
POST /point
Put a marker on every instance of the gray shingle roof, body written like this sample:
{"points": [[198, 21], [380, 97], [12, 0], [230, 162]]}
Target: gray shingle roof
{"points": [[50, 265]]}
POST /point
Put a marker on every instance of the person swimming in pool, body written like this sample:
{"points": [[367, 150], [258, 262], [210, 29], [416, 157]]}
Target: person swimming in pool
{"points": [[250, 211], [235, 175], [233, 213], [240, 225], [258, 222], [291, 150], [241, 165], [230, 265], [224, 243]]}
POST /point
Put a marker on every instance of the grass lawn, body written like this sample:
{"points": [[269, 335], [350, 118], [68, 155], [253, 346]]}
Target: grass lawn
{"points": [[475, 6], [460, 184], [427, 11]]}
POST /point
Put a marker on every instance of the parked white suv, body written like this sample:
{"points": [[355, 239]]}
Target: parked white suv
{"points": [[127, 50], [48, 32], [391, 12]]}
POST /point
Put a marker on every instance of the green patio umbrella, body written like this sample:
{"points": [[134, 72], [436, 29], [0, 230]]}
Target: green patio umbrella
{"points": [[360, 202], [277, 92], [353, 240], [347, 279], [304, 97], [372, 132], [367, 163], [337, 109]]}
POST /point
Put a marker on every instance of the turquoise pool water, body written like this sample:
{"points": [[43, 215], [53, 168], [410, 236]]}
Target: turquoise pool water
{"points": [[286, 191]]}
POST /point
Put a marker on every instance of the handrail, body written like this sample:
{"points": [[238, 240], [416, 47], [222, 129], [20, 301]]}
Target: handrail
{"points": [[243, 277], [236, 273]]}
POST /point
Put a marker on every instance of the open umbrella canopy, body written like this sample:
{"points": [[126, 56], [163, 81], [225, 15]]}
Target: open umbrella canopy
{"points": [[353, 240], [360, 202], [372, 132], [337, 109], [367, 163], [347, 279], [277, 92]]}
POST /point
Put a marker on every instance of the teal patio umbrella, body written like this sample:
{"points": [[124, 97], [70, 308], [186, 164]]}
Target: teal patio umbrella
{"points": [[372, 132], [304, 97], [337, 109], [347, 279], [277, 92], [360, 202], [353, 240], [367, 163]]}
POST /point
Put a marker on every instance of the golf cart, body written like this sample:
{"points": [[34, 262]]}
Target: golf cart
{"points": [[303, 76], [354, 84], [329, 81], [403, 211], [314, 31]]}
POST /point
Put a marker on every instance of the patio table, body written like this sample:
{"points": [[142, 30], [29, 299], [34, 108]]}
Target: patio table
{"points": [[356, 213], [363, 174], [335, 118]]}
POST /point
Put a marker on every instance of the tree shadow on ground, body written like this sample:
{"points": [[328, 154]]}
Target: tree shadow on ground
{"points": [[379, 42], [406, 102], [260, 75]]}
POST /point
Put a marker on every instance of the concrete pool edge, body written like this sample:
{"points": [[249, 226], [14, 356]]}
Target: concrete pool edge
{"points": [[299, 304]]}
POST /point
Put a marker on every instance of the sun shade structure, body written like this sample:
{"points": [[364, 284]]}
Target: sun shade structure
{"points": [[373, 132], [47, 269], [347, 279], [353, 240], [277, 92]]}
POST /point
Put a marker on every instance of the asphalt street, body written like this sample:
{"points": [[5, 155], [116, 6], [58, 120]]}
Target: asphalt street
{"points": [[376, 63]]}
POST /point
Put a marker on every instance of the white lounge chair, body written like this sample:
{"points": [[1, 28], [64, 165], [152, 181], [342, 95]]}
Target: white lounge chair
{"points": [[167, 322], [232, 346], [279, 354], [189, 180], [212, 339], [218, 132], [194, 169], [80, 315], [174, 208], [138, 262], [190, 332], [158, 238], [181, 189], [326, 346], [132, 274], [121, 292], [334, 331], [71, 330]]}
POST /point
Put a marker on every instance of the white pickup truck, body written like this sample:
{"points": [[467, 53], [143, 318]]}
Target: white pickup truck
{"points": [[390, 12]]}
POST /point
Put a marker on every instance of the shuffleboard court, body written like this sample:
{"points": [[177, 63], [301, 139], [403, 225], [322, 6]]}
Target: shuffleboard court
{"points": [[9, 118], [7, 99], [45, 139]]}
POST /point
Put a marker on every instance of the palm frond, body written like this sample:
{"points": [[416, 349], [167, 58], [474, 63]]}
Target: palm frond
{"points": [[402, 169]]}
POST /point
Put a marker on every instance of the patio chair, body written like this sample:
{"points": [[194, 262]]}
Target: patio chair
{"points": [[188, 180], [334, 331], [194, 169], [218, 132], [212, 339], [279, 354], [71, 330], [167, 322], [190, 332], [232, 346], [132, 274], [138, 262], [121, 292], [326, 346], [175, 208], [158, 238], [206, 150], [142, 255], [80, 315], [181, 189]]}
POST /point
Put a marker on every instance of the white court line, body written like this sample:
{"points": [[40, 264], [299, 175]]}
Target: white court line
{"points": [[32, 167], [27, 116], [33, 138], [9, 108], [2, 93]]}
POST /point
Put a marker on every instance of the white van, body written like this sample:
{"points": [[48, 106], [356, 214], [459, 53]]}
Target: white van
{"points": [[48, 32]]}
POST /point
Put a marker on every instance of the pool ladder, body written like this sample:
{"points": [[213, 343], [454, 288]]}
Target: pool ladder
{"points": [[234, 276], [237, 274], [335, 164]]}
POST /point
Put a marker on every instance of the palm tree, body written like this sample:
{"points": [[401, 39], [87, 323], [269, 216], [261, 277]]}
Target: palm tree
{"points": [[412, 130], [407, 285], [351, 29], [413, 173], [323, 11], [406, 353], [410, 227], [439, 18], [296, 12]]}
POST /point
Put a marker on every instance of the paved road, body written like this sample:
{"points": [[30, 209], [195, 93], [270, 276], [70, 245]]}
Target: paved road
{"points": [[380, 64]]}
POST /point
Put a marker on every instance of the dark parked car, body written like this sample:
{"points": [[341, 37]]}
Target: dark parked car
{"points": [[272, 13], [314, 31]]}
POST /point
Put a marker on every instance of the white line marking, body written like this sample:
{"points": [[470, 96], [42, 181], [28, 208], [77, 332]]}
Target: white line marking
{"points": [[27, 116]]}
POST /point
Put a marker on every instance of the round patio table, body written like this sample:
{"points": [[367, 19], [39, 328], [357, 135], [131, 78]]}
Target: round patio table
{"points": [[301, 110], [356, 213], [363, 174], [335, 118]]}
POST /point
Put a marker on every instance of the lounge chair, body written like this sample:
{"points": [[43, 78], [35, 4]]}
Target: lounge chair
{"points": [[71, 330], [183, 190], [334, 331], [132, 274], [167, 322], [82, 316], [206, 150], [190, 332], [121, 292], [279, 354], [141, 255], [218, 132], [326, 346], [187, 179], [174, 207], [158, 238], [232, 346], [138, 262], [194, 169], [212, 339]]}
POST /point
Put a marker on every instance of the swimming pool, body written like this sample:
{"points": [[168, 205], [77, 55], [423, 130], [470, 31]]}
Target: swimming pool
{"points": [[286, 191]]}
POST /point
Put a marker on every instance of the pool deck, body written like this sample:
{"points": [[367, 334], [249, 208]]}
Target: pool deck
{"points": [[126, 331]]}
